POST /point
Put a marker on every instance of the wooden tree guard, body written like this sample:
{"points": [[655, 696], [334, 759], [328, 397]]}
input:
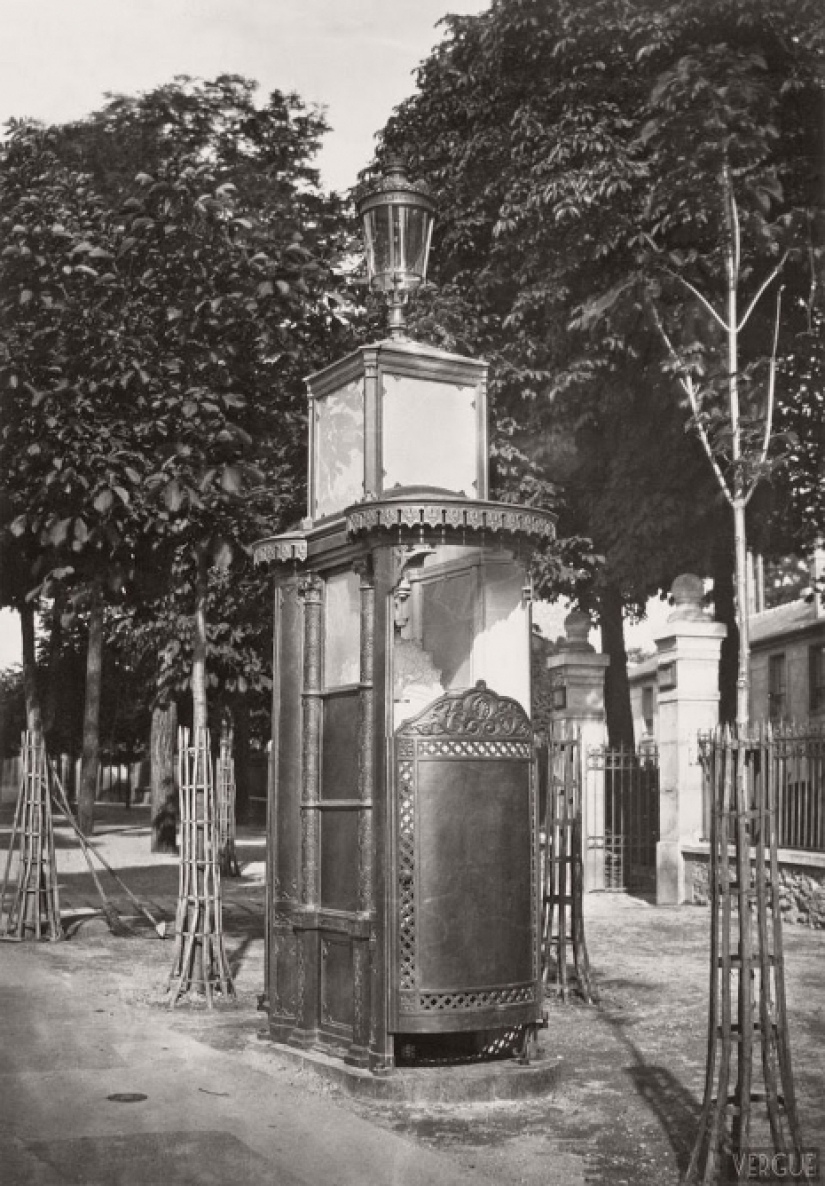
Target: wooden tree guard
{"points": [[227, 857], [34, 904], [747, 982], [563, 870], [200, 964]]}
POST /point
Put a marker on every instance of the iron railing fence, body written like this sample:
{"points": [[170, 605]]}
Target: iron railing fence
{"points": [[792, 758], [626, 827]]}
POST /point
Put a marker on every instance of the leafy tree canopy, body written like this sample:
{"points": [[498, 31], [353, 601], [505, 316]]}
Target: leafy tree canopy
{"points": [[169, 275], [575, 151]]}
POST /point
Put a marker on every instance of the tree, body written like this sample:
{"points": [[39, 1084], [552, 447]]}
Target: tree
{"points": [[712, 277], [520, 124], [228, 222], [12, 710], [532, 121], [799, 505], [73, 493], [209, 294]]}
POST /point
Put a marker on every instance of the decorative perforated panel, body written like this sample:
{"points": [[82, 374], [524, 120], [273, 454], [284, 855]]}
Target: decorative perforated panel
{"points": [[406, 874], [438, 1002], [471, 748], [465, 867]]}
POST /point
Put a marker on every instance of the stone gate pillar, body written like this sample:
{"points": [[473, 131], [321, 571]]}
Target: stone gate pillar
{"points": [[688, 678], [577, 682]]}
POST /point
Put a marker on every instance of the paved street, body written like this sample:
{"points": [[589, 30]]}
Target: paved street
{"points": [[83, 1022], [68, 1050]]}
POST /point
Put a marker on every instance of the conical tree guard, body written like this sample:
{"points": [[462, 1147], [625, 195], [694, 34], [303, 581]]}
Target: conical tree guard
{"points": [[31, 910], [200, 965], [562, 870], [747, 1014]]}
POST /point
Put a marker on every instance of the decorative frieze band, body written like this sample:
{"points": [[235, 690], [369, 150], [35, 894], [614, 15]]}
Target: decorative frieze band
{"points": [[444, 517], [450, 515], [280, 550]]}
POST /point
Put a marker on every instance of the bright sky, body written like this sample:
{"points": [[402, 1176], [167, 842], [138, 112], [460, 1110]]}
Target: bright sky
{"points": [[356, 57], [58, 58]]}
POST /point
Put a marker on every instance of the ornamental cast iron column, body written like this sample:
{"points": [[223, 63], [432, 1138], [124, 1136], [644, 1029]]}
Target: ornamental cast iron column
{"points": [[308, 1007], [359, 1050]]}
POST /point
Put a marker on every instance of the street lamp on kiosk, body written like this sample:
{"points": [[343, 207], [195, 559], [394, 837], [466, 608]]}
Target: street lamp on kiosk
{"points": [[397, 217]]}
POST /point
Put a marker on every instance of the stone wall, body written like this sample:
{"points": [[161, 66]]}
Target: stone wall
{"points": [[801, 887]]}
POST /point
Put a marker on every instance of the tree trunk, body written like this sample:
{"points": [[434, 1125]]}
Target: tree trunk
{"points": [[34, 719], [53, 679], [199, 706], [724, 603], [240, 716], [162, 754], [200, 720], [740, 544], [743, 681], [90, 762], [616, 684]]}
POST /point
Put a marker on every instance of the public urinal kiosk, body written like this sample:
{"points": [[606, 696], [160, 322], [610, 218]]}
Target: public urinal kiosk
{"points": [[403, 837]]}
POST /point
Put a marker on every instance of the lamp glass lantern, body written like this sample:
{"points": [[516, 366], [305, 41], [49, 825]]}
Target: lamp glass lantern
{"points": [[397, 216]]}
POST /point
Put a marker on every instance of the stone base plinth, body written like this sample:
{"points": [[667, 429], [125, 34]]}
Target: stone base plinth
{"points": [[801, 884], [472, 1083]]}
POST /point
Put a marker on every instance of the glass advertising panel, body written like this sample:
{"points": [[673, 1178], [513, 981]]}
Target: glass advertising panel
{"points": [[339, 450], [342, 619], [429, 435]]}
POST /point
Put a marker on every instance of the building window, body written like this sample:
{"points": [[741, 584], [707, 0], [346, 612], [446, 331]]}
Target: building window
{"points": [[776, 687], [647, 707], [816, 677]]}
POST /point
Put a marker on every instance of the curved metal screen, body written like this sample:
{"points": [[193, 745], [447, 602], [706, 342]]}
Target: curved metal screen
{"points": [[465, 873]]}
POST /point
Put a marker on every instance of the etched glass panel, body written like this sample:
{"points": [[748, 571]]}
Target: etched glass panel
{"points": [[429, 435], [342, 630], [339, 450]]}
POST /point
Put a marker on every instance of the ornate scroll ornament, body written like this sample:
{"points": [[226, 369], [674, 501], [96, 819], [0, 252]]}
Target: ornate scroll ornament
{"points": [[449, 516], [281, 549], [478, 713]]}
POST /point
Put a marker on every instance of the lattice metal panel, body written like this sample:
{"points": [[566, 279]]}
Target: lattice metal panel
{"points": [[457, 1049], [406, 874], [463, 785], [472, 748], [439, 1001]]}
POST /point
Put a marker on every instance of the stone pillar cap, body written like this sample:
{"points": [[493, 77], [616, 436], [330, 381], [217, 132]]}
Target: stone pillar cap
{"points": [[577, 626], [687, 593]]}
